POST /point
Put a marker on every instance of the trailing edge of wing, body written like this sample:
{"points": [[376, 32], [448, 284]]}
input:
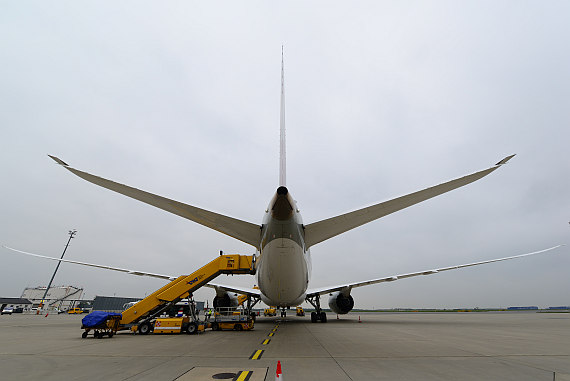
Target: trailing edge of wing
{"points": [[239, 290], [325, 229], [241, 230], [132, 272], [348, 286], [246, 291]]}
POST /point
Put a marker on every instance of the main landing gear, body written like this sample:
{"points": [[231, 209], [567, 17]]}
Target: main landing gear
{"points": [[319, 314]]}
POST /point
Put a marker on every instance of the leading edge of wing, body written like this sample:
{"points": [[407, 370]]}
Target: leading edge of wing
{"points": [[349, 286], [132, 272], [241, 230], [322, 230]]}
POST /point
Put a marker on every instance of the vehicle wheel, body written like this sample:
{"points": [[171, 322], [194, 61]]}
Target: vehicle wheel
{"points": [[323, 317], [98, 335], [215, 327], [192, 328], [314, 317], [110, 334], [144, 328], [253, 316], [84, 335], [238, 327]]}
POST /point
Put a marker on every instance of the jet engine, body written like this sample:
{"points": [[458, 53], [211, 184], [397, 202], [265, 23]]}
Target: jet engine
{"points": [[227, 299], [340, 303]]}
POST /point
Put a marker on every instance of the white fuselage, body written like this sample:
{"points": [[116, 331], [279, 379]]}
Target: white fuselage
{"points": [[284, 262]]}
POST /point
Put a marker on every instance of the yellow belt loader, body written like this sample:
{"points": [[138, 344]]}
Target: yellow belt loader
{"points": [[142, 316]]}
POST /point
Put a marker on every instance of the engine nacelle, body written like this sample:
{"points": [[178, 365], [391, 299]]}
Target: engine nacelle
{"points": [[341, 304], [229, 299]]}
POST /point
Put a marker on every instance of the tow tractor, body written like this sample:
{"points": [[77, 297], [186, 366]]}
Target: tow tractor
{"points": [[144, 316], [229, 318]]}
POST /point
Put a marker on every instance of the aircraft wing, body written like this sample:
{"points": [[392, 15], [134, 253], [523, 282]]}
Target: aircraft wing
{"points": [[239, 290], [246, 291], [349, 286], [132, 272], [242, 230], [325, 229]]}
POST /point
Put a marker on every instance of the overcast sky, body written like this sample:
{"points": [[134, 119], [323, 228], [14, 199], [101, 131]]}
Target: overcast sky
{"points": [[383, 99]]}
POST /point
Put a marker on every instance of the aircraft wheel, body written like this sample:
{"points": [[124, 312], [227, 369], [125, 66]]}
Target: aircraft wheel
{"points": [[192, 328], [314, 317], [144, 328], [323, 317]]}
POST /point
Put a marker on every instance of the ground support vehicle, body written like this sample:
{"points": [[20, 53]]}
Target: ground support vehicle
{"points": [[75, 311], [270, 312], [190, 323], [179, 325], [101, 323], [229, 318], [142, 317], [300, 311]]}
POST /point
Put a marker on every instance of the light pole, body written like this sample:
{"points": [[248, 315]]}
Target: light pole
{"points": [[71, 234]]}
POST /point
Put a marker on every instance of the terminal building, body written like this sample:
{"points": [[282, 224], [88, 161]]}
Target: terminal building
{"points": [[16, 303], [58, 297]]}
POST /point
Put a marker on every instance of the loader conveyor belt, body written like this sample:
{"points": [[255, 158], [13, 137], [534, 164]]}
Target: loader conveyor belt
{"points": [[184, 285]]}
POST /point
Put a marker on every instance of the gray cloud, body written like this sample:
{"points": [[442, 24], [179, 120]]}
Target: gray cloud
{"points": [[382, 99]]}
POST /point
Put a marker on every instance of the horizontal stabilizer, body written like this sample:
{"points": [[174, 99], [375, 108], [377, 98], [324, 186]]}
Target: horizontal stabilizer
{"points": [[325, 229], [241, 230]]}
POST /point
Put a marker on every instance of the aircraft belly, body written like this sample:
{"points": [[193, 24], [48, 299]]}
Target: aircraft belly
{"points": [[283, 273]]}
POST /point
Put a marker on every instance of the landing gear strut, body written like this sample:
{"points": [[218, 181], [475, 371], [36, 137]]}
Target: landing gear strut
{"points": [[319, 314], [250, 306], [283, 312]]}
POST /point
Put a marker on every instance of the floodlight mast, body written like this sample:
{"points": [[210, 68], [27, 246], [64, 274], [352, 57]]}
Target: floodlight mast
{"points": [[71, 234]]}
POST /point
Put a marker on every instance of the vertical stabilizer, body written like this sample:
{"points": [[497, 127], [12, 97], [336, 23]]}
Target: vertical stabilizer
{"points": [[282, 155]]}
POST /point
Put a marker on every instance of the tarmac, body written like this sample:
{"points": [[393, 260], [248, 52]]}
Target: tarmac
{"points": [[384, 346]]}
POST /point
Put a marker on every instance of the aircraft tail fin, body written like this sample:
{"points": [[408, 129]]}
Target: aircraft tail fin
{"points": [[282, 146]]}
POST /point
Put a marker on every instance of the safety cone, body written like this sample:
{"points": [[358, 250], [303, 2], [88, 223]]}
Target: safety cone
{"points": [[47, 314], [360, 321], [278, 373]]}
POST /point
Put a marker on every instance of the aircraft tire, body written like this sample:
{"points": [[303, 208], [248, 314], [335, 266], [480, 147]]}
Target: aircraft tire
{"points": [[323, 317], [314, 317]]}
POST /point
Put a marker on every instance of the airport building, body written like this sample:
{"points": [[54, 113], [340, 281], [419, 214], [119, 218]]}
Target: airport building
{"points": [[24, 304], [58, 297]]}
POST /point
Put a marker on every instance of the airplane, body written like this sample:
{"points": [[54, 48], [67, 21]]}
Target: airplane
{"points": [[282, 242]]}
